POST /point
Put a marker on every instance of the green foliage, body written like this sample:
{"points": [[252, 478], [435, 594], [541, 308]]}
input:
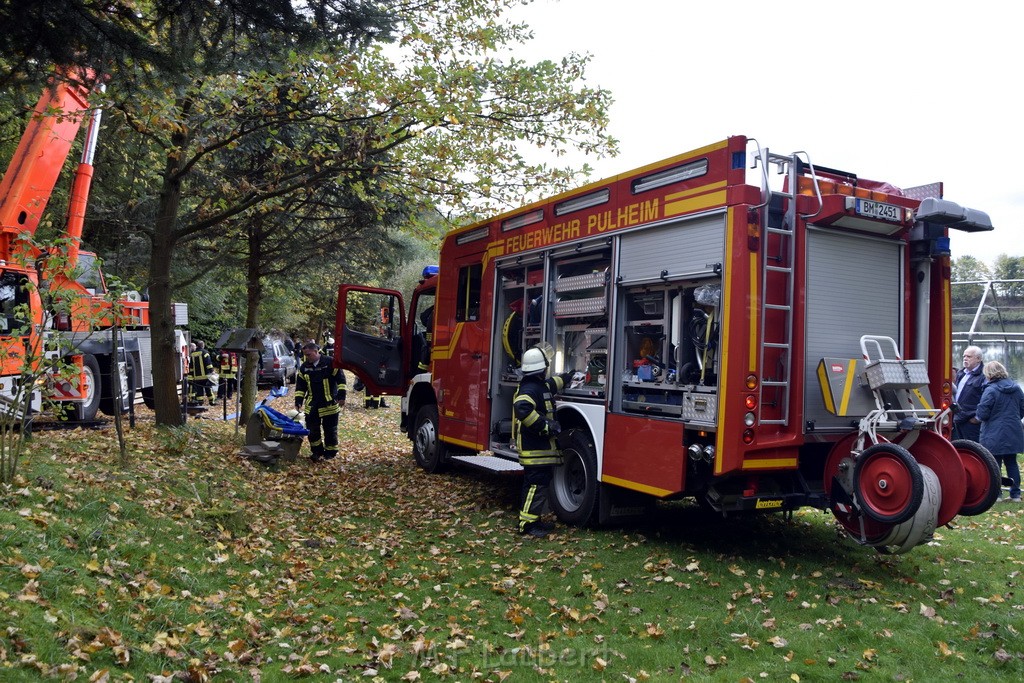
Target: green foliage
{"points": [[1010, 268], [1003, 301], [968, 269], [226, 118]]}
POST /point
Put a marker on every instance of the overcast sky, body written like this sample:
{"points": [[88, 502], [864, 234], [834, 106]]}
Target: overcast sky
{"points": [[904, 91]]}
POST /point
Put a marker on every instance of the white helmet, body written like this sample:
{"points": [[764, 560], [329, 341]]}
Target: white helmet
{"points": [[537, 358]]}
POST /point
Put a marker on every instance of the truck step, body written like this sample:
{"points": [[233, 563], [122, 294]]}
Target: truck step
{"points": [[489, 463]]}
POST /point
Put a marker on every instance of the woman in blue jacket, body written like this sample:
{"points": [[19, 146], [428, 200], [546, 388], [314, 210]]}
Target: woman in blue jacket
{"points": [[999, 412]]}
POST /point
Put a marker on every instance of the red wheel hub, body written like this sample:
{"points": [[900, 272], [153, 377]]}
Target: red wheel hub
{"points": [[885, 484]]}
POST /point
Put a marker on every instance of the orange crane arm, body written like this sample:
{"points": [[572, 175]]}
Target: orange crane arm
{"points": [[33, 171]]}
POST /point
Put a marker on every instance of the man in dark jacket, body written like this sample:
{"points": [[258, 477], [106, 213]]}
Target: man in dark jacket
{"points": [[1000, 412], [966, 393], [320, 393], [534, 428]]}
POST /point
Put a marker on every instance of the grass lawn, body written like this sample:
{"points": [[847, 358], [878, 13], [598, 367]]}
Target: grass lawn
{"points": [[195, 564]]}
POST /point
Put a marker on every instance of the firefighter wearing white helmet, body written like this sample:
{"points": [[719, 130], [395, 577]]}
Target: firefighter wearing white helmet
{"points": [[534, 429]]}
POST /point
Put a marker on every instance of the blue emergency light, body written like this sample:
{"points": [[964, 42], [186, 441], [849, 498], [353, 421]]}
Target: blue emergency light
{"points": [[429, 271]]}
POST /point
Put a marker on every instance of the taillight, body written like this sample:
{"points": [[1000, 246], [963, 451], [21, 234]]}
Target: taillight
{"points": [[277, 363], [62, 321]]}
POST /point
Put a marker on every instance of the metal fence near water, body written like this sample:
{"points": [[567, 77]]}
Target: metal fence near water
{"points": [[990, 314]]}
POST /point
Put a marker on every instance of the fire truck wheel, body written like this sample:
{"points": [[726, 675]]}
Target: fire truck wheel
{"points": [[86, 410], [983, 477], [430, 452], [888, 483], [574, 485]]}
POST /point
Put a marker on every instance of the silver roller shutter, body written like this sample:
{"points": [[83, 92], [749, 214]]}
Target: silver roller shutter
{"points": [[680, 248], [854, 287]]}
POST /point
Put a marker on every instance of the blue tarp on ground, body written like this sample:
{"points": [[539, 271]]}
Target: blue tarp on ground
{"points": [[281, 422]]}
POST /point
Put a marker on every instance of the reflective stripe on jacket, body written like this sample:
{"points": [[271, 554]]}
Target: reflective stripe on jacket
{"points": [[317, 385], [533, 407], [200, 365], [228, 365]]}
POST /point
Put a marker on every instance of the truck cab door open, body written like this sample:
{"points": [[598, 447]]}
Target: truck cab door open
{"points": [[370, 337]]}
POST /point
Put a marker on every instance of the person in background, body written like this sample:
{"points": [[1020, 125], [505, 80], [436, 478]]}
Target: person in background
{"points": [[199, 368], [371, 401], [427, 319], [534, 429], [320, 394], [967, 390], [1000, 412], [228, 374]]}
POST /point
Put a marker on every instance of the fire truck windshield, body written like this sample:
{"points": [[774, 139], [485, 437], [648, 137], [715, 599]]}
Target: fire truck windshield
{"points": [[87, 273]]}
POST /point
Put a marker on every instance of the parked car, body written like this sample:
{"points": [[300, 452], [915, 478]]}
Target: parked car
{"points": [[278, 365]]}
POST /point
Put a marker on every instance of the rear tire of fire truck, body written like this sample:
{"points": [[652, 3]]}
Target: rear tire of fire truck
{"points": [[888, 483], [86, 410], [574, 487], [983, 477], [430, 452]]}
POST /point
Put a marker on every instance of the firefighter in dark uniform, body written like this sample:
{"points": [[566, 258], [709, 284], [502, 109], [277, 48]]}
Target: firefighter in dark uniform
{"points": [[427, 318], [320, 394], [228, 374], [534, 429], [199, 368]]}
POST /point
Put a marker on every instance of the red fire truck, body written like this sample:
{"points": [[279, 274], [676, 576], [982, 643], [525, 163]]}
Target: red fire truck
{"points": [[758, 345], [79, 328]]}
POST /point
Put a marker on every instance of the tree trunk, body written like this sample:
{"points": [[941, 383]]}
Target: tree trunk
{"points": [[161, 314], [252, 308]]}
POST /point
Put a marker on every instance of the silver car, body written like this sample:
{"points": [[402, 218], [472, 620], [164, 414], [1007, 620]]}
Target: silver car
{"points": [[278, 365]]}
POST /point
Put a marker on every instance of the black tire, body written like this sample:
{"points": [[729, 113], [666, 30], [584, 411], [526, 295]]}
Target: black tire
{"points": [[982, 471], [149, 398], [430, 452], [86, 411], [108, 403], [573, 495], [888, 483]]}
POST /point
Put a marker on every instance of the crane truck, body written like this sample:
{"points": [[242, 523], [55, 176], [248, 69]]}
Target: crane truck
{"points": [[757, 341], [54, 305]]}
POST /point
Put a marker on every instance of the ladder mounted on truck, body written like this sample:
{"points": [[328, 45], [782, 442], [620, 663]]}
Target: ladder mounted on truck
{"points": [[778, 254]]}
